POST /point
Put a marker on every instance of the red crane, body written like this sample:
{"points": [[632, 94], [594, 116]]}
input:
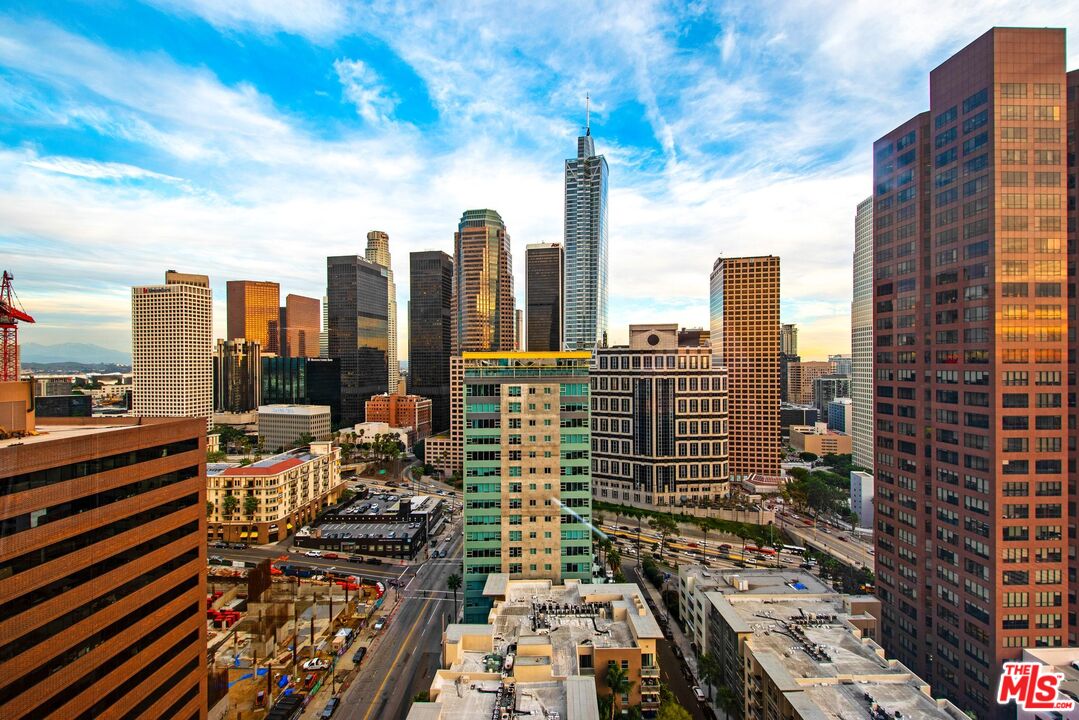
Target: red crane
{"points": [[9, 331]]}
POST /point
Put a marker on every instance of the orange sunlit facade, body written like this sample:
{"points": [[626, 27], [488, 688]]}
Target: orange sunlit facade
{"points": [[254, 313]]}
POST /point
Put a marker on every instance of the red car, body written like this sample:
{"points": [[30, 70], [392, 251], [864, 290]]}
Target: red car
{"points": [[331, 556]]}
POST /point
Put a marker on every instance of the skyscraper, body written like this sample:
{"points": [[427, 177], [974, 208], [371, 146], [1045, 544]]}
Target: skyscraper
{"points": [[788, 353], [861, 337], [970, 368], [324, 335], [430, 329], [237, 376], [358, 333], [843, 364], [585, 315], [1073, 321], [171, 346], [254, 312], [300, 326], [544, 273], [800, 377], [744, 309], [483, 304], [378, 252], [528, 505]]}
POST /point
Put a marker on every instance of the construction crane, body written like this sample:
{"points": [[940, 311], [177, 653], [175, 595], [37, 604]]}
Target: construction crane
{"points": [[9, 330]]}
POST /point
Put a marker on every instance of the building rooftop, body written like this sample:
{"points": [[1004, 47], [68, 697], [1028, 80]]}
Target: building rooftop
{"points": [[1063, 660], [362, 530], [761, 581], [294, 409], [464, 698], [50, 429], [266, 466]]}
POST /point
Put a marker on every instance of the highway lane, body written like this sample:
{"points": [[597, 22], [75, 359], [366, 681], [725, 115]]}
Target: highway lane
{"points": [[851, 552]]}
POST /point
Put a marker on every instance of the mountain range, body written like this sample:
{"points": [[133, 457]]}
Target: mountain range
{"points": [[72, 352]]}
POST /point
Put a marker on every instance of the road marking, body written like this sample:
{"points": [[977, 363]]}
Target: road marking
{"points": [[404, 645]]}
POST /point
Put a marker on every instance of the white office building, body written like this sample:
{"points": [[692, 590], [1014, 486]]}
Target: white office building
{"points": [[861, 335]]}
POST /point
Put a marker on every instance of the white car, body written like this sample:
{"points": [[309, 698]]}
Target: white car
{"points": [[699, 693], [313, 553], [380, 623], [315, 664]]}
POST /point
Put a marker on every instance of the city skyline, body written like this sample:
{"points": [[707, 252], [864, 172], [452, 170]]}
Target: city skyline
{"points": [[143, 176]]}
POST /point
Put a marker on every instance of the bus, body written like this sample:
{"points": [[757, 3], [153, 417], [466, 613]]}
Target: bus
{"points": [[793, 549]]}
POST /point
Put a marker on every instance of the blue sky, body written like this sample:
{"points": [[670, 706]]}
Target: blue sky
{"points": [[250, 139]]}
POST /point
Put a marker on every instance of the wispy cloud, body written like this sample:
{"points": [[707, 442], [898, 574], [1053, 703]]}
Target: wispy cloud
{"points": [[364, 89]]}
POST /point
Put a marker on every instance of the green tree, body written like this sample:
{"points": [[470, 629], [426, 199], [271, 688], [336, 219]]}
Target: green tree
{"points": [[251, 505], [213, 456], [614, 560], [453, 582], [728, 701], [672, 711], [619, 683], [665, 526], [304, 440], [711, 672], [422, 696], [807, 457], [229, 505], [209, 508]]}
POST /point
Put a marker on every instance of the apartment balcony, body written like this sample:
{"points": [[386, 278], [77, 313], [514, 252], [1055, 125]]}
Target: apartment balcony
{"points": [[650, 671]]}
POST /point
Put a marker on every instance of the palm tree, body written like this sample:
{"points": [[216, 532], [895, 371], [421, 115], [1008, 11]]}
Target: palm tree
{"points": [[614, 560], [230, 504], [453, 582], [618, 681], [665, 526], [251, 505]]}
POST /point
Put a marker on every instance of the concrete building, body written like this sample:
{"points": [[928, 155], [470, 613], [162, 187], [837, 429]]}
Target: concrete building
{"points": [[103, 557], [378, 252], [1065, 662], [237, 376], [659, 418], [840, 414], [694, 337], [303, 381], [819, 440], [273, 496], [44, 387], [445, 450], [861, 336], [788, 353], [1072, 200], [171, 346], [544, 278], [550, 647], [482, 303], [527, 475], [827, 388], [63, 406], [790, 415], [280, 426], [254, 313], [430, 329], [843, 364], [793, 649], [861, 497], [585, 236], [744, 309], [401, 411], [970, 391], [324, 335], [363, 432], [359, 329], [300, 330], [800, 377]]}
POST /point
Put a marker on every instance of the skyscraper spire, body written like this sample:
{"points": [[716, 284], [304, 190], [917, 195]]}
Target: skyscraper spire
{"points": [[587, 118]]}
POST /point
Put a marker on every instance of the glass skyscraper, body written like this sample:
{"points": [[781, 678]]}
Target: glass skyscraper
{"points": [[585, 323], [358, 330], [429, 330], [483, 304]]}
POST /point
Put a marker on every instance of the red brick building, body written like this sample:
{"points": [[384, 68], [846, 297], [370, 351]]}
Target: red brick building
{"points": [[401, 411]]}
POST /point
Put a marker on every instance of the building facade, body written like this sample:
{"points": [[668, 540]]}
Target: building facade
{"points": [[430, 331], [585, 315], [482, 302], [303, 381], [788, 353], [795, 415], [445, 450], [544, 273], [819, 440], [527, 475], [843, 364], [103, 569], [744, 309], [359, 329], [300, 329], [237, 376], [861, 497], [800, 377], [1073, 329], [827, 388], [659, 422], [861, 336], [970, 369], [840, 415], [282, 426], [378, 252], [254, 313], [401, 411], [171, 346]]}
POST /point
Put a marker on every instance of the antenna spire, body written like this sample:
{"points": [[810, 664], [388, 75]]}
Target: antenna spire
{"points": [[587, 116]]}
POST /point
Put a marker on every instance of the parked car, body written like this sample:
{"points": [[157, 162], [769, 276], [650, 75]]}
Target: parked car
{"points": [[313, 553], [842, 537], [331, 556], [374, 561], [355, 558], [725, 547], [330, 709], [315, 664], [358, 656], [379, 624], [699, 694], [309, 681]]}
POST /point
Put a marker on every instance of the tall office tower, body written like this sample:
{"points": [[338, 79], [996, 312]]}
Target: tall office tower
{"points": [[544, 272], [378, 252], [843, 364], [744, 308], [800, 377], [430, 329], [237, 376], [971, 360], [482, 300], [1072, 202], [303, 381], [518, 330], [171, 346], [827, 388], [254, 313], [324, 335], [104, 568], [788, 339], [527, 474], [861, 337], [661, 421], [358, 329], [585, 312], [300, 326], [788, 353]]}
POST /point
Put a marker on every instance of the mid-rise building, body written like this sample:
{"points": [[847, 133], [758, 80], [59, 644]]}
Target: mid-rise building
{"points": [[861, 336], [840, 414], [272, 497], [544, 273], [103, 568], [300, 331], [445, 450], [63, 406], [744, 309], [324, 335], [254, 313], [861, 497], [843, 364], [788, 353], [659, 421], [401, 411], [171, 346], [237, 376], [819, 440], [585, 314], [378, 252], [971, 367], [694, 337], [527, 473], [303, 381], [482, 302], [827, 388], [800, 377], [285, 426], [359, 329], [795, 415], [44, 387], [430, 331]]}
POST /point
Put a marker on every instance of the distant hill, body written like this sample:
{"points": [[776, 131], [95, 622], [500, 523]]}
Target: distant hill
{"points": [[87, 353], [74, 368]]}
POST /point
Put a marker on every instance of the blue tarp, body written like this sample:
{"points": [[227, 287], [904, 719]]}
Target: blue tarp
{"points": [[262, 671], [283, 681], [248, 676]]}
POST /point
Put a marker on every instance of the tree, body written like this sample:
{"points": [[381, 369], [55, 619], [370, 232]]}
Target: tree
{"points": [[673, 711], [619, 683], [728, 701], [614, 560], [453, 582], [422, 696], [711, 671], [665, 526], [304, 440], [229, 505], [213, 456], [251, 505], [807, 457], [209, 508]]}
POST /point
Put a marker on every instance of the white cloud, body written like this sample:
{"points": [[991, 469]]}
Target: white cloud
{"points": [[364, 89], [316, 19], [99, 170]]}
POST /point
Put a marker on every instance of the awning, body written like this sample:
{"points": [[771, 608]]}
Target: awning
{"points": [[243, 534], [289, 526]]}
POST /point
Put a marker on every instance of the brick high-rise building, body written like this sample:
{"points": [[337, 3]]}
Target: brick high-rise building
{"points": [[483, 309], [300, 326], [430, 328], [103, 569], [744, 309], [544, 272], [1073, 338], [401, 411], [970, 367], [800, 377], [254, 312]]}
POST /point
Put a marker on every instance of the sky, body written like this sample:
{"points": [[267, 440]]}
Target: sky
{"points": [[250, 139]]}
